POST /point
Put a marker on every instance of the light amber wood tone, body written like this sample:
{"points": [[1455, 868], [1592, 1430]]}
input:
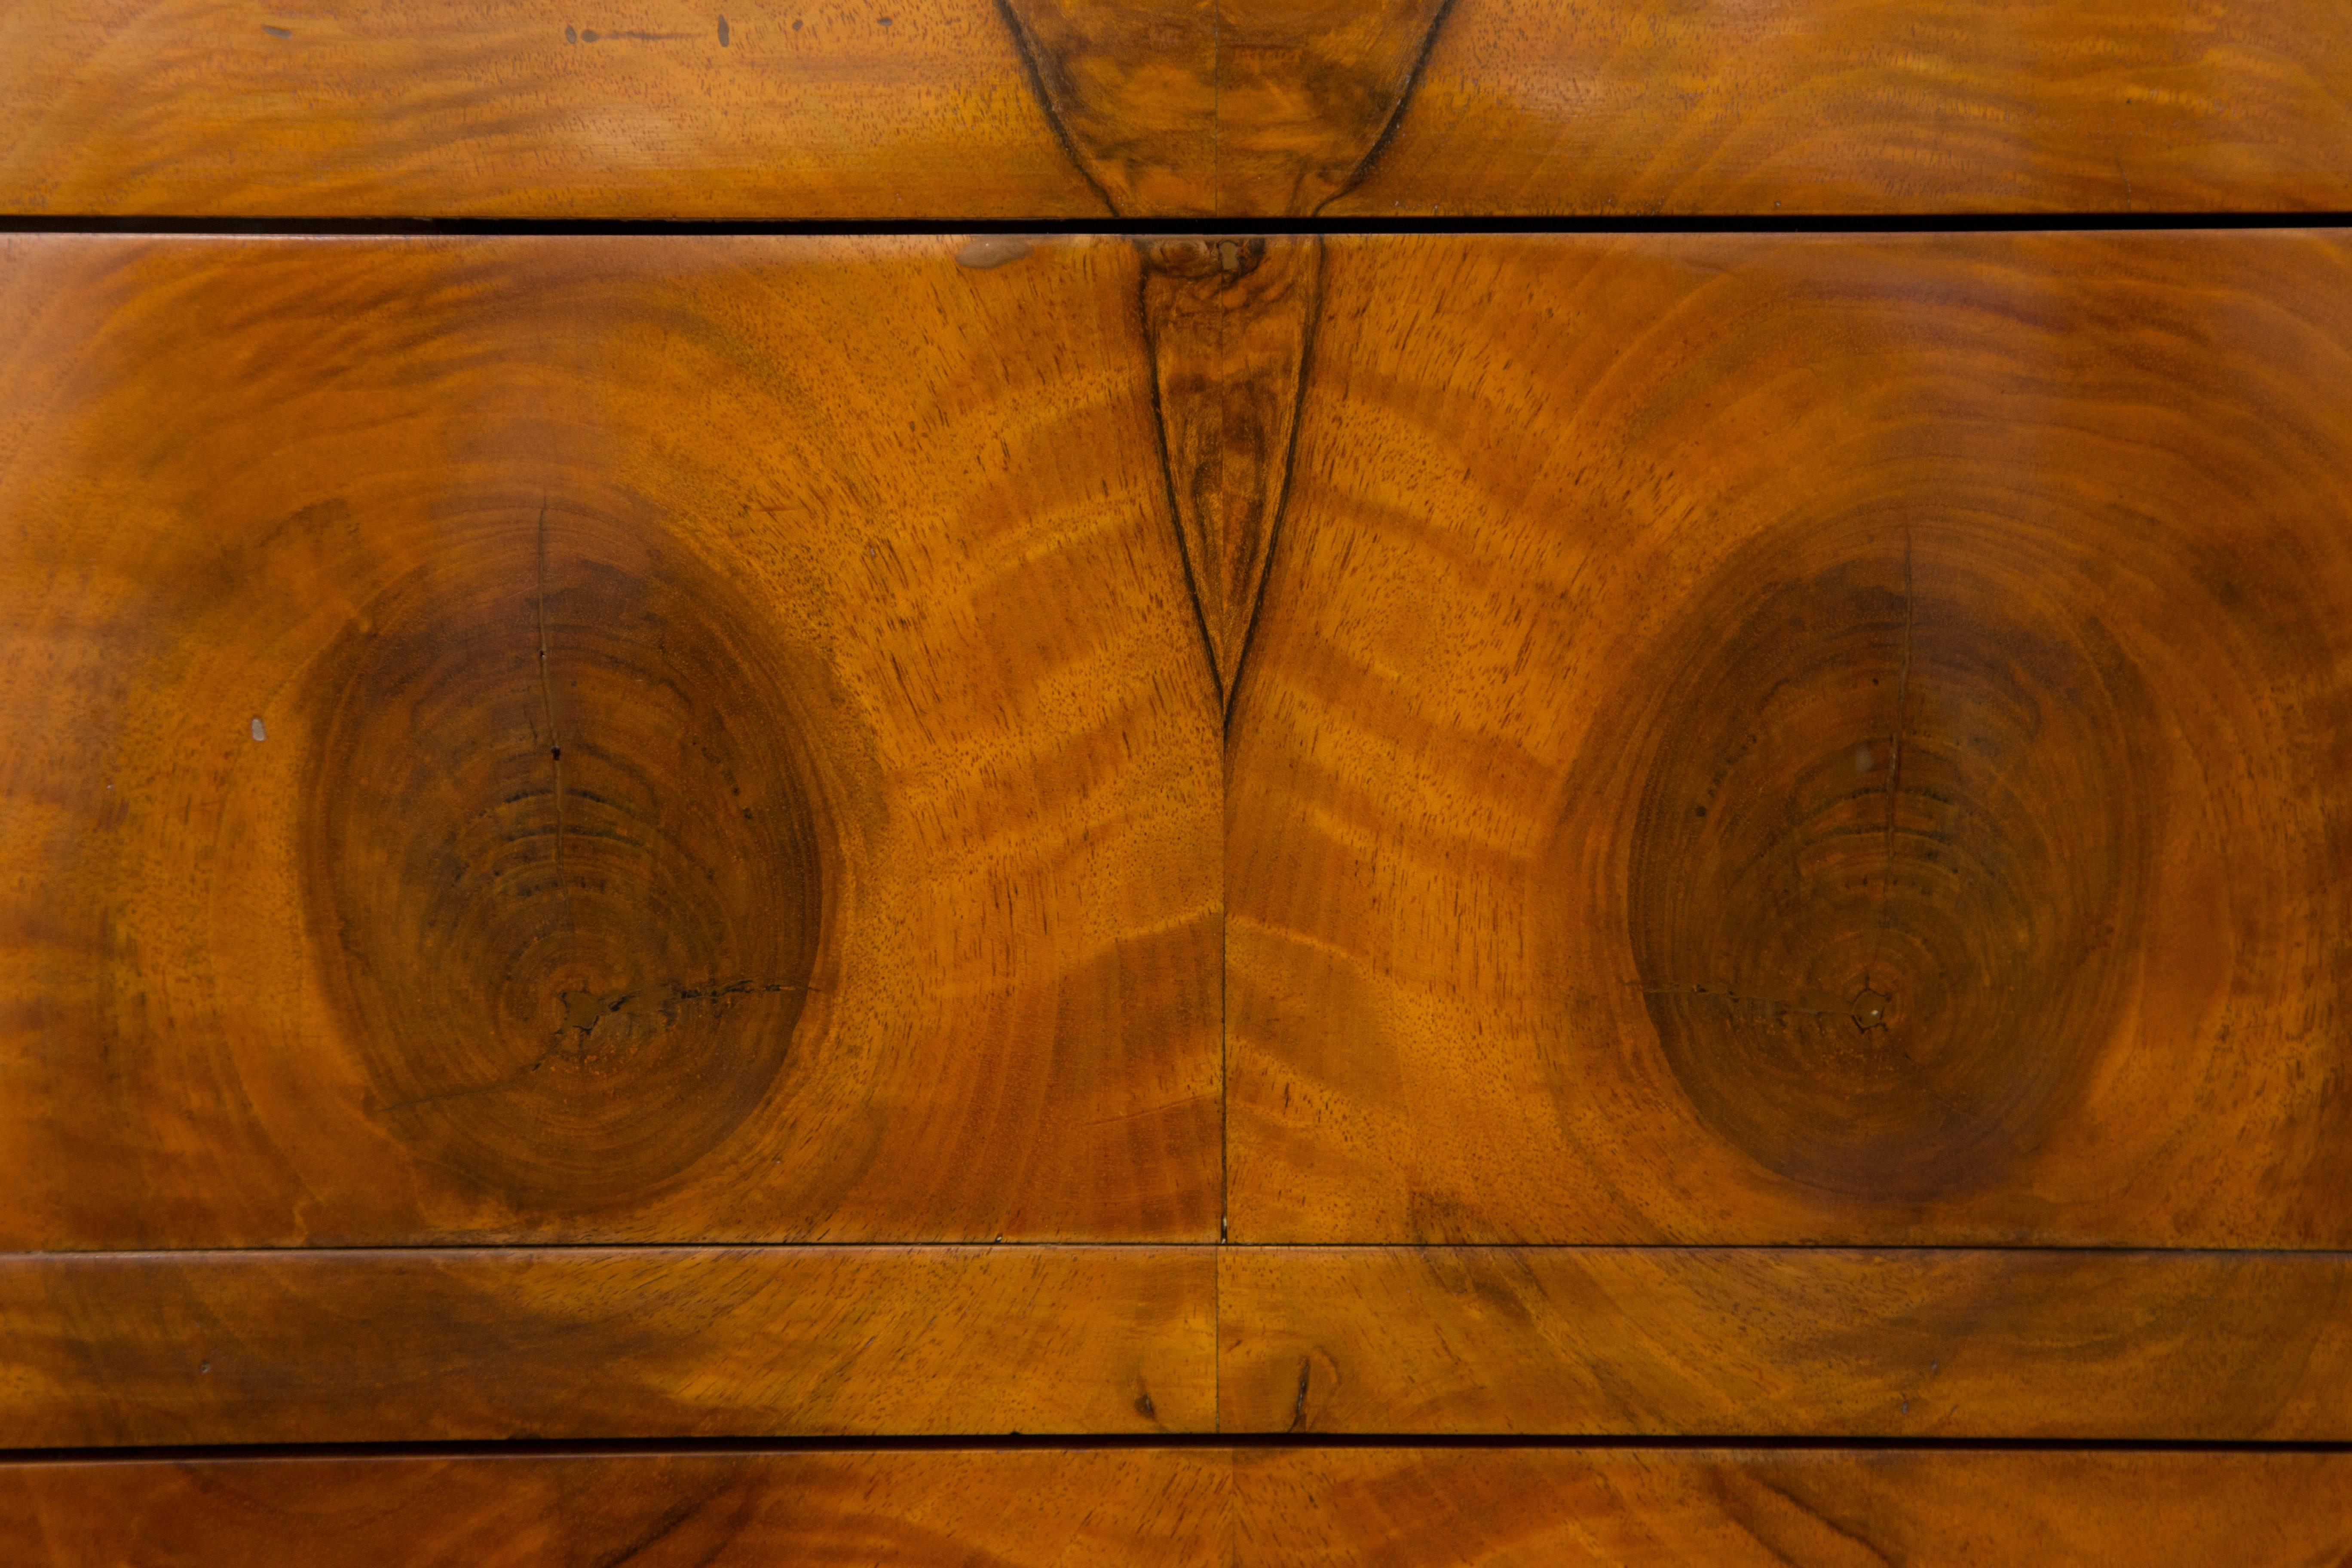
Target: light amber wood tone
{"points": [[299, 1345], [898, 110], [951, 108], [640, 740], [1786, 1341], [1843, 740], [1628, 107], [730, 1510], [1424, 1507]]}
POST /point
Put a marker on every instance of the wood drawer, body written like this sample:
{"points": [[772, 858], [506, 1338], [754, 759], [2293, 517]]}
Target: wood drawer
{"points": [[903, 111], [518, 742], [1802, 739], [721, 891], [727, 715], [1250, 1508]]}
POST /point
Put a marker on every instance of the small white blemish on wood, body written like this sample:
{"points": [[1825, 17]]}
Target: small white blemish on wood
{"points": [[258, 732], [985, 252]]}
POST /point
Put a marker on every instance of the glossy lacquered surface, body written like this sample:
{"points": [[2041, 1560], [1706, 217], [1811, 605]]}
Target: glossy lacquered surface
{"points": [[378, 1345], [900, 109], [401, 1344], [1835, 739], [1037, 1507], [1530, 1506], [1247, 1508], [611, 739], [673, 837], [1811, 1343]]}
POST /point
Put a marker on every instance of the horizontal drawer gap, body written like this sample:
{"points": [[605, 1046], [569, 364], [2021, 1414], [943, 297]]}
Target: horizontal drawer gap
{"points": [[653, 1447], [878, 1248], [1767, 222]]}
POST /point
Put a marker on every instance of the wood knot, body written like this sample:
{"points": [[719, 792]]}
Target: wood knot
{"points": [[1203, 257]]}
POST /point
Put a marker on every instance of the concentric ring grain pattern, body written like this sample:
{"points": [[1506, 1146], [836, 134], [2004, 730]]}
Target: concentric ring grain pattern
{"points": [[1837, 740], [596, 739]]}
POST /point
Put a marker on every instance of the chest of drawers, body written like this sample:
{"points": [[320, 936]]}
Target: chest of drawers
{"points": [[1266, 784]]}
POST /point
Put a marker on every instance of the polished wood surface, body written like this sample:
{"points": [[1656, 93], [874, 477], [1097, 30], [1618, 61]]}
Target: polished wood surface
{"points": [[1230, 323], [1836, 739], [1631, 108], [910, 109], [1246, 1509], [661, 1511], [321, 1345], [1397, 1507], [1130, 87], [294, 1345], [1786, 1342], [973, 108], [1257, 108], [1809, 770], [616, 739]]}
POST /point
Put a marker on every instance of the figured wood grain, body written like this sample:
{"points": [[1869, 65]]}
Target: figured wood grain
{"points": [[1786, 1342], [1823, 1510], [1639, 107], [1833, 740], [310, 1345], [1131, 90], [1022, 1507], [1248, 1509], [905, 109], [1232, 107], [632, 739], [1308, 93], [953, 108], [1230, 323]]}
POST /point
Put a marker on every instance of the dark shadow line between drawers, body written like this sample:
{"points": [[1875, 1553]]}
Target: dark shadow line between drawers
{"points": [[1467, 225], [1876, 1248], [635, 1448]]}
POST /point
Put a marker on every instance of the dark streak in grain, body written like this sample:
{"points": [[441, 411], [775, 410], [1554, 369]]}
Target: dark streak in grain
{"points": [[1314, 312], [1192, 570], [1396, 112], [1025, 46]]}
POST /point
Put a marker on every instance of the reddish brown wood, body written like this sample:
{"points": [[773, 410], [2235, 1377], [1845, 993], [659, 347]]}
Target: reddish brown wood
{"points": [[633, 739], [315, 1346], [1631, 107], [1250, 1508], [1130, 88], [1779, 739], [1726, 740], [1429, 1506], [1786, 1341], [1229, 325], [951, 108], [1017, 1509], [911, 109]]}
